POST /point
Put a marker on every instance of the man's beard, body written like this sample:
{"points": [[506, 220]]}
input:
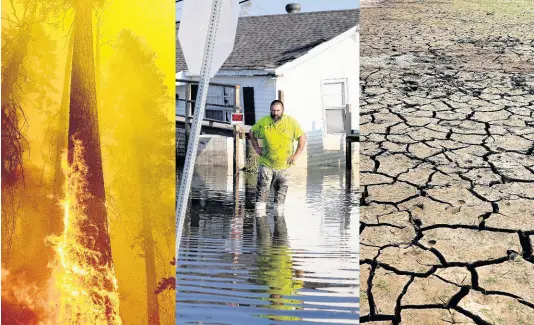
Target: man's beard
{"points": [[276, 118]]}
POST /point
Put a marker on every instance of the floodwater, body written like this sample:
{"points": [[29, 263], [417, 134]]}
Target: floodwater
{"points": [[235, 268]]}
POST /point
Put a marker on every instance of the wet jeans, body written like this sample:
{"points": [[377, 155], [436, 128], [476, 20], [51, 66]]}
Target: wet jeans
{"points": [[268, 178]]}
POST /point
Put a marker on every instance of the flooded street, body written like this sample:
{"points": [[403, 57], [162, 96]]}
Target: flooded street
{"points": [[236, 268]]}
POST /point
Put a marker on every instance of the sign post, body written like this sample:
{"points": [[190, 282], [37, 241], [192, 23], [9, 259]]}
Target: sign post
{"points": [[215, 21]]}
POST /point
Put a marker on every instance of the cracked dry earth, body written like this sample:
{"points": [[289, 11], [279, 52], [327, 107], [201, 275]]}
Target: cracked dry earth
{"points": [[446, 164]]}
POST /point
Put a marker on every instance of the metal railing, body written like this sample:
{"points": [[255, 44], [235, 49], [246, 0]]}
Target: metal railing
{"points": [[220, 104]]}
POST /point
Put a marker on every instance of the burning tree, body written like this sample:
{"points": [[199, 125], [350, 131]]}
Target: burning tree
{"points": [[86, 244]]}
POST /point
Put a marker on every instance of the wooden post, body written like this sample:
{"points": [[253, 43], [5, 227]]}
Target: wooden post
{"points": [[281, 95], [187, 112], [348, 143], [237, 140], [247, 146], [237, 148], [348, 147]]}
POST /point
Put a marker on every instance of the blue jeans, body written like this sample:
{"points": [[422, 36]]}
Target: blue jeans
{"points": [[269, 178]]}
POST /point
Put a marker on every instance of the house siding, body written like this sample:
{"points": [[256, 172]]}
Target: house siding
{"points": [[302, 96]]}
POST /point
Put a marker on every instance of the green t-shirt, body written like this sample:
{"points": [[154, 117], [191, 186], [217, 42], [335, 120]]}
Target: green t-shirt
{"points": [[278, 140]]}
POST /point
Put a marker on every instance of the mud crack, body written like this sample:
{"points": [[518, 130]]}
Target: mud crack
{"points": [[447, 165]]}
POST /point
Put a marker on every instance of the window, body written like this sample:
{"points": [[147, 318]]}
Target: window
{"points": [[334, 98], [218, 97], [215, 95]]}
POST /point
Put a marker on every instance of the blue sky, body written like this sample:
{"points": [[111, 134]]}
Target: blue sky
{"points": [[270, 7]]}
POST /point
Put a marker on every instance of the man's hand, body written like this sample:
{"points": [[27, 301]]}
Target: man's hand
{"points": [[255, 144], [292, 159]]}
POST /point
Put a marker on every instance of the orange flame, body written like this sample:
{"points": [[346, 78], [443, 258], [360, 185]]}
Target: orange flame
{"points": [[25, 303], [84, 296]]}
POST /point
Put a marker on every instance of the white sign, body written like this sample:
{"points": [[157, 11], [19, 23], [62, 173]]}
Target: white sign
{"points": [[194, 29]]}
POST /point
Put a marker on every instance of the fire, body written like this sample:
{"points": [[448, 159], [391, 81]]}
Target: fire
{"points": [[81, 289], [88, 291], [25, 303]]}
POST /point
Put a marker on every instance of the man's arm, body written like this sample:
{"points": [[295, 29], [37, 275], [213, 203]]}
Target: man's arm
{"points": [[254, 142], [300, 147]]}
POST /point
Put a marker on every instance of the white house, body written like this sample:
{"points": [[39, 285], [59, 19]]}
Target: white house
{"points": [[312, 58]]}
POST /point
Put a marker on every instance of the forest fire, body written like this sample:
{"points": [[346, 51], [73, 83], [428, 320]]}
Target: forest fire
{"points": [[88, 291], [78, 242]]}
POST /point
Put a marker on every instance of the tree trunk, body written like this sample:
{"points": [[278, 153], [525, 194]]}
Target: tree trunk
{"points": [[97, 60], [83, 126], [148, 247], [55, 223], [150, 267], [61, 142]]}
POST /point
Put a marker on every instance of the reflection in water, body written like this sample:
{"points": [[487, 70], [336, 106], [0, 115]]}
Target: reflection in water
{"points": [[275, 269], [236, 268]]}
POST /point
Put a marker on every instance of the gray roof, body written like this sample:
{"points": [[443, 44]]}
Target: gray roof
{"points": [[270, 41]]}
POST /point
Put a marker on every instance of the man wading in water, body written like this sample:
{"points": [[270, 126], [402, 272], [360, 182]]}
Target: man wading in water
{"points": [[278, 133]]}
